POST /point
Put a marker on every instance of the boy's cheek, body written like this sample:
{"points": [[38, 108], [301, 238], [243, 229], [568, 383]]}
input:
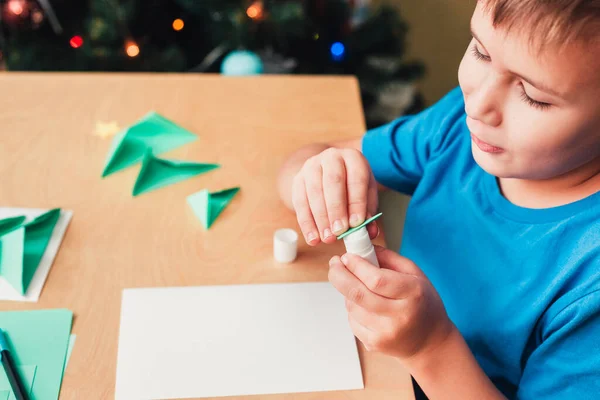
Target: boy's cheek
{"points": [[469, 74]]}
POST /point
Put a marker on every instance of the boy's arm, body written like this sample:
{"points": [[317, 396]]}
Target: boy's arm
{"points": [[450, 371]]}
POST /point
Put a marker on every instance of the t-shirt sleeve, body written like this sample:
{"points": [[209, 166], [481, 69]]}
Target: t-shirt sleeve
{"points": [[566, 365], [399, 151]]}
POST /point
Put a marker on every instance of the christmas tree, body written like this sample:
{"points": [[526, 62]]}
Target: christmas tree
{"points": [[341, 37]]}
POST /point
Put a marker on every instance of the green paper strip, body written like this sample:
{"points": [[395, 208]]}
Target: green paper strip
{"points": [[156, 172], [153, 132], [69, 350], [367, 222]]}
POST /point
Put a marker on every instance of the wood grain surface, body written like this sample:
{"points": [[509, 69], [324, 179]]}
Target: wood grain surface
{"points": [[50, 157]]}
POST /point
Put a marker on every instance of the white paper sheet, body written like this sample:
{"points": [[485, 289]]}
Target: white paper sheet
{"points": [[7, 292], [235, 340]]}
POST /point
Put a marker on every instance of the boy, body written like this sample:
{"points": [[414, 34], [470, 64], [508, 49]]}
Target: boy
{"points": [[497, 292]]}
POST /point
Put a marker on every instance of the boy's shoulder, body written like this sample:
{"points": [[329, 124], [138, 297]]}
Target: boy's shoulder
{"points": [[447, 120]]}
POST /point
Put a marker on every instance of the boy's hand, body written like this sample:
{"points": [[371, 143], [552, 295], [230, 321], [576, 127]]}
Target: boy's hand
{"points": [[393, 309], [333, 191]]}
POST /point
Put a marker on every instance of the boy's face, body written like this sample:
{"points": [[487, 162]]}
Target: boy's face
{"points": [[520, 128]]}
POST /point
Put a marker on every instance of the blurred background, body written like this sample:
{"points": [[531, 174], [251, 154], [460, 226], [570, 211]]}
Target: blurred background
{"points": [[405, 53]]}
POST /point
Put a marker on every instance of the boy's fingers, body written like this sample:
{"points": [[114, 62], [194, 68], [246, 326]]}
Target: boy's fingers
{"points": [[372, 195], [313, 177], [358, 184], [362, 316], [384, 282], [303, 213], [373, 230], [334, 189], [363, 334], [389, 259], [353, 289]]}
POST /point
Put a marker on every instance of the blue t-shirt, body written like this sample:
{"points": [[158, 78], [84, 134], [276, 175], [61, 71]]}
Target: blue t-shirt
{"points": [[522, 285]]}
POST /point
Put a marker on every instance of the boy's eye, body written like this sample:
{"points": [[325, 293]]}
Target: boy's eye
{"points": [[478, 54], [533, 103]]}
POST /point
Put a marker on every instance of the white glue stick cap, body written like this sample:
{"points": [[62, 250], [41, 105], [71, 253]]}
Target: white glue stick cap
{"points": [[285, 245], [359, 243]]}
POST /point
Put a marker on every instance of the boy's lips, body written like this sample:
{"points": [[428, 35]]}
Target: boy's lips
{"points": [[486, 147], [483, 146]]}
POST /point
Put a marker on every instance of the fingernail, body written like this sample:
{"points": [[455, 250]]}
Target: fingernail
{"points": [[310, 237], [354, 220], [326, 233], [337, 226], [344, 259], [331, 262]]}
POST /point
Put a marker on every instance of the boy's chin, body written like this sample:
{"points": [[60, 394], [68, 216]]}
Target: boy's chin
{"points": [[493, 164]]}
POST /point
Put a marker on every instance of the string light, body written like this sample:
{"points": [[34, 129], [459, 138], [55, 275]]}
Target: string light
{"points": [[132, 49], [337, 51], [76, 42], [178, 24], [16, 7], [255, 11], [37, 16]]}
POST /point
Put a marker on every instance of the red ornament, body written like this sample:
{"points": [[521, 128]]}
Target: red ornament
{"points": [[76, 42]]}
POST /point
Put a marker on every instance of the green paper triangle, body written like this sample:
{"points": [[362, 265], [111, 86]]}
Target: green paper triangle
{"points": [[11, 264], [156, 172], [8, 224], [152, 132], [22, 249], [208, 206]]}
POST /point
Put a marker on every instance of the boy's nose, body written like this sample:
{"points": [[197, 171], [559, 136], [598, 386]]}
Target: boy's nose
{"points": [[483, 105]]}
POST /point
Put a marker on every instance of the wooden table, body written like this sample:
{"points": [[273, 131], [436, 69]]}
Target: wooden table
{"points": [[50, 157]]}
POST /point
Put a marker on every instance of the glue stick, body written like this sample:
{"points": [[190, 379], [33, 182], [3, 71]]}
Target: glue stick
{"points": [[359, 243]]}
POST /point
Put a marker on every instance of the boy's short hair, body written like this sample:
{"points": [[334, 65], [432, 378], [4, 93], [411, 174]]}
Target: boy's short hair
{"points": [[556, 22]]}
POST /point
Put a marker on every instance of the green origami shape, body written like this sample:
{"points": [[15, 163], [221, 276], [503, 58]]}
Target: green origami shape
{"points": [[208, 206], [153, 132], [8, 224], [367, 222], [156, 172], [27, 376], [22, 248]]}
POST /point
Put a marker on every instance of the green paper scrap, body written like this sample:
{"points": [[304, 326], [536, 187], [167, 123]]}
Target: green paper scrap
{"points": [[153, 132], [22, 249], [26, 374], [367, 222], [156, 172], [4, 394], [208, 206], [39, 338], [69, 351]]}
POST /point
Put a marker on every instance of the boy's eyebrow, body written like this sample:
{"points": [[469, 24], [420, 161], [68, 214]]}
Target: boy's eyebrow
{"points": [[538, 85]]}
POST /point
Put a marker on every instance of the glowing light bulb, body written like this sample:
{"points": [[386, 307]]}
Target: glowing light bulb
{"points": [[76, 42], [178, 24], [255, 11], [132, 49], [37, 16], [16, 7], [337, 51]]}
